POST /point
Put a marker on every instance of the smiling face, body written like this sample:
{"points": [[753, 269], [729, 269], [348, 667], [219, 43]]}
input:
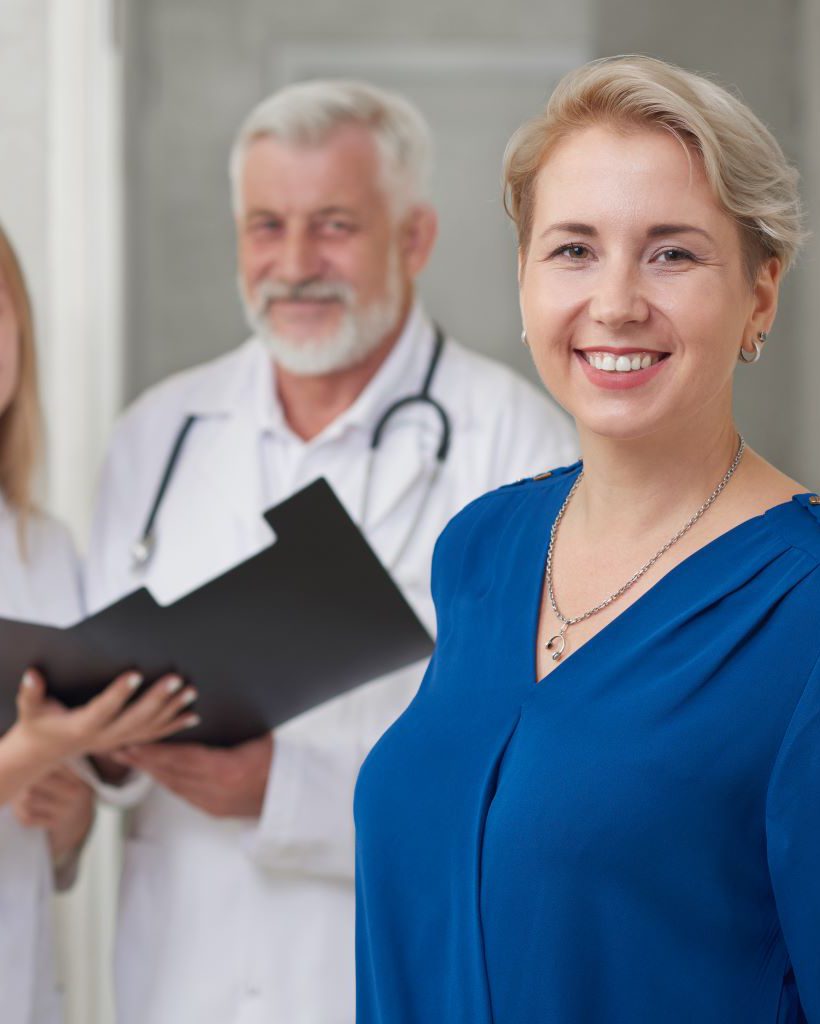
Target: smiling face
{"points": [[325, 269], [633, 290]]}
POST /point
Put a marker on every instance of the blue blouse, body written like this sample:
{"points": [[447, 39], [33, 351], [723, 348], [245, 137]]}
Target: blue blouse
{"points": [[636, 839]]}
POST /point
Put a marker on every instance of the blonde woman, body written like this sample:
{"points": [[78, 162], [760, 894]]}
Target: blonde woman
{"points": [[603, 806], [39, 582]]}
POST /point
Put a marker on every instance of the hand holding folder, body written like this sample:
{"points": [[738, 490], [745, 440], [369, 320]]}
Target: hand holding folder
{"points": [[303, 621]]}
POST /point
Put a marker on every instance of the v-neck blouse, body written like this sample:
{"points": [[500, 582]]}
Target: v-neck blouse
{"points": [[634, 838]]}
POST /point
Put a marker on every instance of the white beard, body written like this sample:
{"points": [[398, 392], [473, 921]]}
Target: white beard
{"points": [[361, 331]]}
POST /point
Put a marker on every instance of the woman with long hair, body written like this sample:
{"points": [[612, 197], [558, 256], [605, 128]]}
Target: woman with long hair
{"points": [[39, 582]]}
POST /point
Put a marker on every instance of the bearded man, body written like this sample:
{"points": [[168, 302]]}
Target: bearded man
{"points": [[237, 893]]}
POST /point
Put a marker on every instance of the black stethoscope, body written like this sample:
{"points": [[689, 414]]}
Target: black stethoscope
{"points": [[143, 548]]}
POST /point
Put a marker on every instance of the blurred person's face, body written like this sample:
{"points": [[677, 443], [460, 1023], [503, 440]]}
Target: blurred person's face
{"points": [[325, 267], [633, 291], [9, 346]]}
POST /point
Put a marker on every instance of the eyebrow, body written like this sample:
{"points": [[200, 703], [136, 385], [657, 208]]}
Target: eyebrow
{"points": [[677, 229], [656, 231], [325, 211], [329, 211]]}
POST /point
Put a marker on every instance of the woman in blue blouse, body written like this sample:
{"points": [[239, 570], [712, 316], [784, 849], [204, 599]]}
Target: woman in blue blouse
{"points": [[603, 806]]}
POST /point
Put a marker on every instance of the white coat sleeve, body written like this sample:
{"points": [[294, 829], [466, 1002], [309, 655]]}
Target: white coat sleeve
{"points": [[306, 824]]}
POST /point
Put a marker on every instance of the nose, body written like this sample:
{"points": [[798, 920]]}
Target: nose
{"points": [[618, 297], [299, 258]]}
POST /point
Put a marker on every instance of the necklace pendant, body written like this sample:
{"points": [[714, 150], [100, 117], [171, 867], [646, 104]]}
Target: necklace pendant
{"points": [[556, 644]]}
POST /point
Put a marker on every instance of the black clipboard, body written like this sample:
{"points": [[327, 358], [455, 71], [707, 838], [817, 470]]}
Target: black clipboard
{"points": [[305, 620]]}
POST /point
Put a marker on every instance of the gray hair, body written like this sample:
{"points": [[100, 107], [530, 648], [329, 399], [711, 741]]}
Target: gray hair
{"points": [[744, 164], [307, 113]]}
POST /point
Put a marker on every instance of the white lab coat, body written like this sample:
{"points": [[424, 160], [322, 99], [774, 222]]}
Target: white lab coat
{"points": [[44, 588], [244, 921]]}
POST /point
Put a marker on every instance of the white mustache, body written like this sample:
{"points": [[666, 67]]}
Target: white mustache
{"points": [[278, 291]]}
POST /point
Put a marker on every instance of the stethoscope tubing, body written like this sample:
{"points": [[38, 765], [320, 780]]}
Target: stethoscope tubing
{"points": [[422, 397], [143, 548]]}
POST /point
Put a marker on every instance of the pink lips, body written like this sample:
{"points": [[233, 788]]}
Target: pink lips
{"points": [[612, 381]]}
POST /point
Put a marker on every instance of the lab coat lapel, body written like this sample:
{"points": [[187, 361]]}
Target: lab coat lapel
{"points": [[229, 464], [232, 471], [212, 517]]}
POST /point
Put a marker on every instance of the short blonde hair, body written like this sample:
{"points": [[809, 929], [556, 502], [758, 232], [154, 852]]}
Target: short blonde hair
{"points": [[743, 162], [20, 422]]}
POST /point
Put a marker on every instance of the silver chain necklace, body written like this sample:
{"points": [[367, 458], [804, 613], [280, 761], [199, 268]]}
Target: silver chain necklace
{"points": [[557, 643]]}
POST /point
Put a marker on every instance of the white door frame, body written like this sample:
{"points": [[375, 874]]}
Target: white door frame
{"points": [[82, 387]]}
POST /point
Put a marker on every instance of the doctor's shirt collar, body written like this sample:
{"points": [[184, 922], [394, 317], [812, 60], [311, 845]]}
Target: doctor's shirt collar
{"points": [[407, 360]]}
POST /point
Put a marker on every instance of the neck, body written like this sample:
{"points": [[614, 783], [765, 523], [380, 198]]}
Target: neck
{"points": [[311, 403], [644, 486]]}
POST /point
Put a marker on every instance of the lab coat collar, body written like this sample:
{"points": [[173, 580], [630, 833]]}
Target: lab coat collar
{"points": [[222, 386], [410, 451], [407, 360], [241, 388]]}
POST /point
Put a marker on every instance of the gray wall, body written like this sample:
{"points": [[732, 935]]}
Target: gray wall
{"points": [[194, 68], [807, 384]]}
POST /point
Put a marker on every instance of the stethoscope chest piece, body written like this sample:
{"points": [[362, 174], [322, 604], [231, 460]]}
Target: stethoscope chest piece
{"points": [[141, 551]]}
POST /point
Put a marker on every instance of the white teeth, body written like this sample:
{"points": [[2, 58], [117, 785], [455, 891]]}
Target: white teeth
{"points": [[621, 364]]}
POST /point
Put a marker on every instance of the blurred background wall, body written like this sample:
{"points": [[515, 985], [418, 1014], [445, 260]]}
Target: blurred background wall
{"points": [[193, 68], [117, 120]]}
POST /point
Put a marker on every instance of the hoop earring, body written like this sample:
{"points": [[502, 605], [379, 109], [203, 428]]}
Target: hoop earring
{"points": [[758, 343]]}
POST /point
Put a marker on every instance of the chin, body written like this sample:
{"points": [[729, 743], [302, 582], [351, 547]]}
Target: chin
{"points": [[306, 329], [620, 432], [628, 422]]}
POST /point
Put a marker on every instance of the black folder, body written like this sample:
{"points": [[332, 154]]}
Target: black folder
{"points": [[305, 620]]}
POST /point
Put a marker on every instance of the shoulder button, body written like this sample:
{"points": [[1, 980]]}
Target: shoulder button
{"points": [[814, 499]]}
